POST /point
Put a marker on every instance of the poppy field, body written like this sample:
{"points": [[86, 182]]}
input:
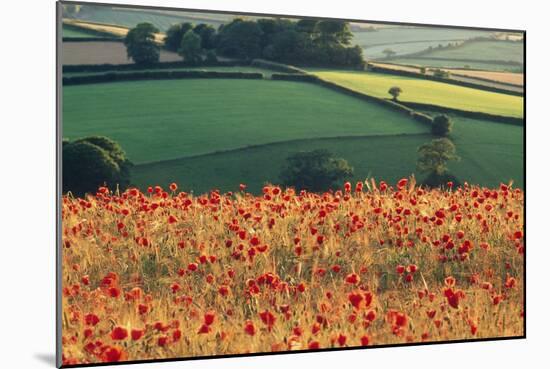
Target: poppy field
{"points": [[167, 274]]}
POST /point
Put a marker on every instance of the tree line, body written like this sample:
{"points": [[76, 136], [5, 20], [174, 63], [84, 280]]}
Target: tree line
{"points": [[306, 42]]}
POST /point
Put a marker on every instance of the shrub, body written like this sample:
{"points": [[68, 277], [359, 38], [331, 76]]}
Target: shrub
{"points": [[434, 180], [442, 125], [315, 171], [92, 162]]}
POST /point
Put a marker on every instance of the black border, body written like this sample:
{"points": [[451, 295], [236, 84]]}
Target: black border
{"points": [[59, 129]]}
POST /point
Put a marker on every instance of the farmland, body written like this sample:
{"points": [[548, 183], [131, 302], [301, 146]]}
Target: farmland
{"points": [[481, 51], [490, 153], [103, 52], [406, 40], [429, 92], [171, 119], [193, 147], [198, 249], [161, 19], [165, 274]]}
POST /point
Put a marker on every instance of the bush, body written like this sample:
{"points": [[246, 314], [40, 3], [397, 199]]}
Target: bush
{"points": [[92, 162], [442, 125], [315, 171]]}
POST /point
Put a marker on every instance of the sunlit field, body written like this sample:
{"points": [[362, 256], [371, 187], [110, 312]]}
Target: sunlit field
{"points": [[166, 274]]}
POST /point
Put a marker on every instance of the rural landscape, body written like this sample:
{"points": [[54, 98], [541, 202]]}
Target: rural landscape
{"points": [[247, 184]]}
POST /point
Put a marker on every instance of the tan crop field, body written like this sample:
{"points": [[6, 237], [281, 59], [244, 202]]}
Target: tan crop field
{"points": [[103, 52]]}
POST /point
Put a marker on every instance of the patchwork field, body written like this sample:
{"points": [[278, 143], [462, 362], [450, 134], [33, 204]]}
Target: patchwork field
{"points": [[481, 51], [406, 40], [102, 52], [499, 77], [219, 142], [164, 120], [161, 19], [429, 92]]}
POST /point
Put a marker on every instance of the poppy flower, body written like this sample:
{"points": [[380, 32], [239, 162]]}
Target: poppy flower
{"points": [[119, 333], [249, 328], [209, 317], [136, 334], [352, 278]]}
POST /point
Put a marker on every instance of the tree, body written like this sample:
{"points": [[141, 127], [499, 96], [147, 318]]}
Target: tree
{"points": [[140, 44], [334, 31], [240, 39], [92, 162], [190, 48], [433, 156], [442, 125], [389, 53], [175, 33], [395, 91], [207, 34], [315, 171]]}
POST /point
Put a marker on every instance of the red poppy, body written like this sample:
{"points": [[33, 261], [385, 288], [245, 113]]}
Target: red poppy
{"points": [[119, 333], [249, 328]]}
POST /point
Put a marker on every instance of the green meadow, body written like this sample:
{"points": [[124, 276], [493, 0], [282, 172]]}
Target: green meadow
{"points": [[161, 120], [426, 91]]}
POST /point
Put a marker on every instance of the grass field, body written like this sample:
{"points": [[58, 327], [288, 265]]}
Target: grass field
{"points": [[161, 19], [407, 40], [429, 92], [478, 65], [499, 77], [163, 120], [490, 153], [71, 32], [482, 51]]}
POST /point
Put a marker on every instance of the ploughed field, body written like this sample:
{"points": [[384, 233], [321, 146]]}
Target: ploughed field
{"points": [[217, 133], [165, 274]]}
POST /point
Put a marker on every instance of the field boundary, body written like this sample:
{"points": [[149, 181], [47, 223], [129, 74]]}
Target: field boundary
{"points": [[157, 75], [404, 73], [466, 113], [77, 68], [421, 117], [297, 140]]}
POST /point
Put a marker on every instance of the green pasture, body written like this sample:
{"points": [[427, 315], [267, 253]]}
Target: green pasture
{"points": [[489, 50], [73, 32], [169, 119], [491, 153], [477, 65], [428, 92]]}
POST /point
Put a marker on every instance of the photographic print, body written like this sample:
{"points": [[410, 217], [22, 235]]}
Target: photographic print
{"points": [[240, 184]]}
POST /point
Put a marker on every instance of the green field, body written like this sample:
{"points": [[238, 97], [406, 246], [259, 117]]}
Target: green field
{"points": [[161, 120], [73, 32], [491, 153], [218, 133], [131, 17], [426, 91], [481, 51], [479, 65], [407, 40]]}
